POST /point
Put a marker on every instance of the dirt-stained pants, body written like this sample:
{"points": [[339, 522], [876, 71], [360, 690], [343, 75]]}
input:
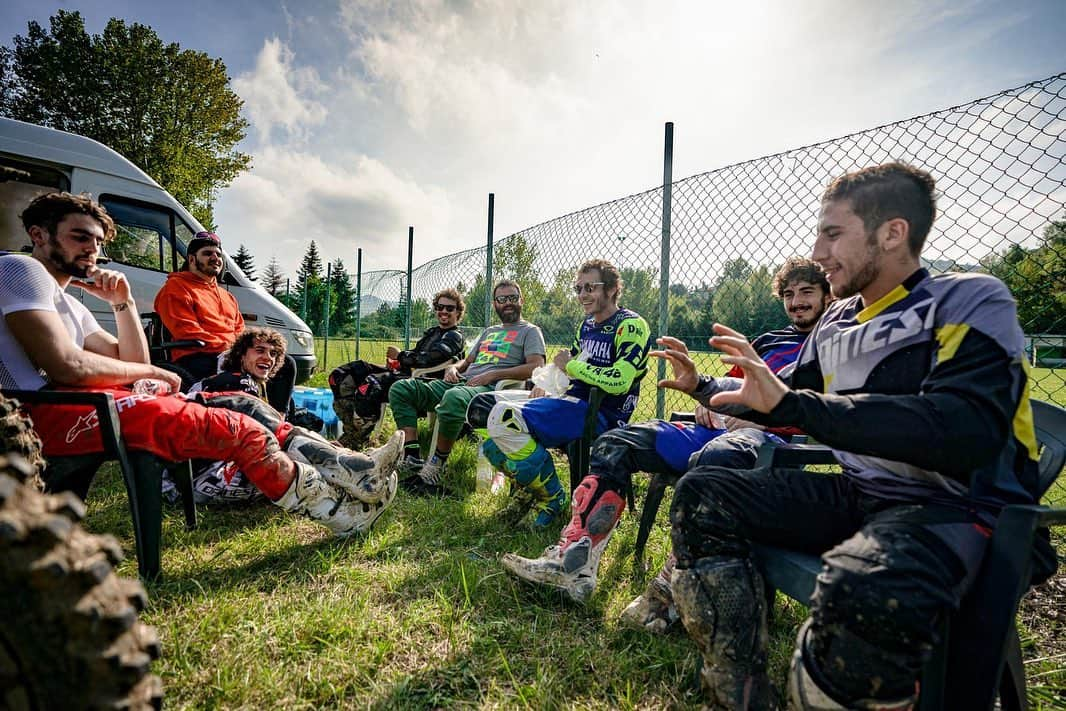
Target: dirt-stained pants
{"points": [[892, 569]]}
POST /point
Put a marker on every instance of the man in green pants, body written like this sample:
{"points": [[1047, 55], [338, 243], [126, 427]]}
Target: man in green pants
{"points": [[509, 350]]}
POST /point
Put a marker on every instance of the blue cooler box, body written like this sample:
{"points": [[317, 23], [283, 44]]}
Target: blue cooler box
{"points": [[320, 402]]}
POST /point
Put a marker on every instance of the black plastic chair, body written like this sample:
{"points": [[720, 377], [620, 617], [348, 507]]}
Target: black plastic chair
{"points": [[979, 658], [657, 490], [577, 452], [160, 345], [654, 498], [142, 472]]}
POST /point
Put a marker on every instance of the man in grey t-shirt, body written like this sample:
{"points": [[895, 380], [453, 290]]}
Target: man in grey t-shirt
{"points": [[507, 351]]}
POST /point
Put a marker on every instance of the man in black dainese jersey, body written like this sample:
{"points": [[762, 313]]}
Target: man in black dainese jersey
{"points": [[918, 384]]}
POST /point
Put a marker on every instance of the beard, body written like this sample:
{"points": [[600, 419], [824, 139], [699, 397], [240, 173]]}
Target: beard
{"points": [[871, 269], [204, 266], [511, 313], [60, 262], [807, 320], [860, 281]]}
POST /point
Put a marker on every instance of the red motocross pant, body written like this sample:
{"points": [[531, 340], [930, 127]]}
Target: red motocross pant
{"points": [[231, 427]]}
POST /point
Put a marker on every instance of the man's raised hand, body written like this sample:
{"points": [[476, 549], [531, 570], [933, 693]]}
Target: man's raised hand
{"points": [[107, 285], [761, 389], [675, 352]]}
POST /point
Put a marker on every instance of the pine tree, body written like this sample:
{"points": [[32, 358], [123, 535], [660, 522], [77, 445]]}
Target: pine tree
{"points": [[244, 260], [273, 277], [342, 300], [310, 265], [310, 293]]}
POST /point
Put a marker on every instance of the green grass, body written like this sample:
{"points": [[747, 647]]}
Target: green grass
{"points": [[261, 610]]}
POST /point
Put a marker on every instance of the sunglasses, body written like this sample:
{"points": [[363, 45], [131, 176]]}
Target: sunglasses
{"points": [[444, 307], [211, 236], [587, 288], [509, 299]]}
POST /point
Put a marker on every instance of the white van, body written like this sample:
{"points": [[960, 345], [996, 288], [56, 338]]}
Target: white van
{"points": [[153, 228]]}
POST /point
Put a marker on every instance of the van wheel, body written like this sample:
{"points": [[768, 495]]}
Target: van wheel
{"points": [[71, 637]]}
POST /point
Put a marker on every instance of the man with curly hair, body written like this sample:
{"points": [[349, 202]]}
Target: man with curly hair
{"points": [[250, 362]]}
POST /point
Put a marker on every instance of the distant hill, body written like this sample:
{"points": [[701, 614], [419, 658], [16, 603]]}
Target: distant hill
{"points": [[939, 266]]}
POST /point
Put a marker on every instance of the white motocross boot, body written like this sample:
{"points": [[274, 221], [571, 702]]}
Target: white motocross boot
{"points": [[362, 476], [309, 495]]}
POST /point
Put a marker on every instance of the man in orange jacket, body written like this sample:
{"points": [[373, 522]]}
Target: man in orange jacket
{"points": [[193, 306]]}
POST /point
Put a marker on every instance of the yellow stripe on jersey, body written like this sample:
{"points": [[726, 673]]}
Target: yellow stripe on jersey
{"points": [[950, 336], [1024, 430], [900, 292]]}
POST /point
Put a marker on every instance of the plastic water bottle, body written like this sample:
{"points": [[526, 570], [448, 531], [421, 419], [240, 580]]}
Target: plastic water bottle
{"points": [[484, 470]]}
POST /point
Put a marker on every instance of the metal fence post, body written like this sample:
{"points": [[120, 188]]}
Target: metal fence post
{"points": [[358, 298], [325, 345], [407, 318], [488, 264], [664, 259]]}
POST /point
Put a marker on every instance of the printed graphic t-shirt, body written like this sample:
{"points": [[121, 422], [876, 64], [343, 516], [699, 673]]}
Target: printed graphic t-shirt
{"points": [[504, 346]]}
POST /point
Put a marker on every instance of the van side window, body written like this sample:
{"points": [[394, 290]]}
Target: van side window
{"points": [[144, 234], [20, 183]]}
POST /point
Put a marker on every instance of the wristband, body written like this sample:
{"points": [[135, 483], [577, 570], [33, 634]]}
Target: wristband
{"points": [[124, 306]]}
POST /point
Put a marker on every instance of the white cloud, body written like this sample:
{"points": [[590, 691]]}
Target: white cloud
{"points": [[276, 94], [556, 105], [291, 197]]}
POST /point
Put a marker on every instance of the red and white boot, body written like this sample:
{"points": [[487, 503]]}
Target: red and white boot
{"points": [[571, 564]]}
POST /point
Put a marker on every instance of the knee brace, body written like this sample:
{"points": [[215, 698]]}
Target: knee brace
{"points": [[701, 526], [509, 431], [868, 643], [722, 605], [810, 689]]}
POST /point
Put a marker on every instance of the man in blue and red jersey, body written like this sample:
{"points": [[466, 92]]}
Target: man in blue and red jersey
{"points": [[669, 447]]}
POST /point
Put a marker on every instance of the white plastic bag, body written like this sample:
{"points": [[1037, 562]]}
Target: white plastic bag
{"points": [[550, 379]]}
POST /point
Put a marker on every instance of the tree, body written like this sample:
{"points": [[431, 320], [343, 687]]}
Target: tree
{"points": [[1037, 279], [342, 299], [244, 260], [515, 258], [170, 111], [744, 300], [273, 277], [310, 295]]}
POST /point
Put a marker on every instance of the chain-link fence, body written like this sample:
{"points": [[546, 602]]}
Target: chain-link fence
{"points": [[999, 166]]}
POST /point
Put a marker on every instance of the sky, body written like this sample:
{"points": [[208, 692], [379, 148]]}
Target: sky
{"points": [[370, 116]]}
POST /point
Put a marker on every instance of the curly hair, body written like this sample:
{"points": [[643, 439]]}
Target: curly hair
{"points": [[450, 293], [231, 362], [48, 211], [799, 269], [886, 192], [608, 273]]}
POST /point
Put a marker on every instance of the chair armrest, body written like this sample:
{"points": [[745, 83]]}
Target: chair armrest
{"points": [[682, 417], [794, 455], [438, 368], [187, 343], [104, 403], [986, 617]]}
